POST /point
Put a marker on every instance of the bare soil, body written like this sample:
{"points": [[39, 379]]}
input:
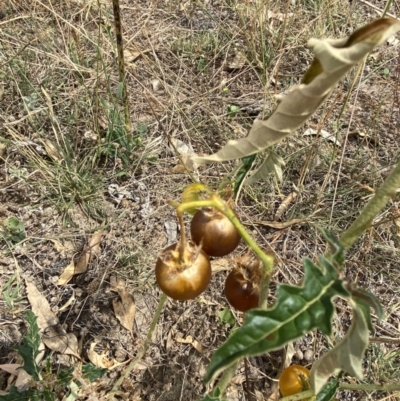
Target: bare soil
{"points": [[182, 84]]}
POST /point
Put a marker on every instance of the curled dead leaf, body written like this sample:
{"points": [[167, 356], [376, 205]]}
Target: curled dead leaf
{"points": [[100, 360], [91, 251]]}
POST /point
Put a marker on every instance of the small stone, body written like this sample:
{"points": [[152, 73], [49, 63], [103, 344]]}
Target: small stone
{"points": [[309, 355]]}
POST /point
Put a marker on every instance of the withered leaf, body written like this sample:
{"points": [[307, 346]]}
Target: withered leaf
{"points": [[100, 360], [124, 308], [91, 251], [53, 334], [334, 58]]}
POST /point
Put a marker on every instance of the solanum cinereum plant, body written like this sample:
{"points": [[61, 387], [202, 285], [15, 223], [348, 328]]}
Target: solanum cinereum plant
{"points": [[309, 306], [242, 289], [213, 231]]}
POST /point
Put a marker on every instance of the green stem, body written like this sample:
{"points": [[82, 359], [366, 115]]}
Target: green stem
{"points": [[216, 202], [140, 355], [226, 377], [387, 6], [264, 289], [373, 207], [346, 386], [298, 396], [182, 241], [371, 387]]}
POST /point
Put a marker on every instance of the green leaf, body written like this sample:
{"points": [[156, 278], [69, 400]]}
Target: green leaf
{"points": [[47, 395], [297, 311], [14, 229], [272, 164], [370, 299], [247, 164], [92, 372], [336, 247], [347, 355], [215, 395], [225, 316], [29, 349], [15, 395], [328, 391], [233, 110], [64, 377]]}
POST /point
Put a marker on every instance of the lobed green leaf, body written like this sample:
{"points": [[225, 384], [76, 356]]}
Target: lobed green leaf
{"points": [[346, 356], [297, 311], [29, 349]]}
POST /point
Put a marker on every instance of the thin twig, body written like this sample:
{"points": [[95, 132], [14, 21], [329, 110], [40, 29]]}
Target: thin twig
{"points": [[121, 68]]}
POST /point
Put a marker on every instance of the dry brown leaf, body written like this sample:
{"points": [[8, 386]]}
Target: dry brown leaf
{"points": [[91, 251], [132, 55], [279, 16], [67, 274], [53, 334], [100, 360], [238, 62], [284, 205], [52, 151], [189, 340], [124, 309], [57, 339], [62, 248], [333, 59], [11, 368], [70, 301]]}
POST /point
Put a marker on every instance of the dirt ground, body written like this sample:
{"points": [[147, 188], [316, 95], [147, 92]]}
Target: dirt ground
{"points": [[198, 72]]}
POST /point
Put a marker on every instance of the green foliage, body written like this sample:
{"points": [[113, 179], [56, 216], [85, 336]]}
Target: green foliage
{"points": [[247, 164], [92, 372], [29, 349], [214, 396], [14, 230], [11, 291], [328, 391], [15, 395], [297, 311], [45, 383], [225, 316], [233, 110], [347, 355], [64, 377]]}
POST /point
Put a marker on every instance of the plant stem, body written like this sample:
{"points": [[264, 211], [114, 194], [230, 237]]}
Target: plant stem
{"points": [[227, 377], [182, 241], [140, 355], [370, 387], [346, 386], [264, 289], [219, 204], [299, 396], [121, 68], [373, 207], [387, 6]]}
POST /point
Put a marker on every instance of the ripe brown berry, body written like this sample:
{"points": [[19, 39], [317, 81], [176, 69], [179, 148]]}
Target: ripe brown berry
{"points": [[214, 231]]}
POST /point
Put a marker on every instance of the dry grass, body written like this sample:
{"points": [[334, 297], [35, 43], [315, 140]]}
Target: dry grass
{"points": [[67, 168]]}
